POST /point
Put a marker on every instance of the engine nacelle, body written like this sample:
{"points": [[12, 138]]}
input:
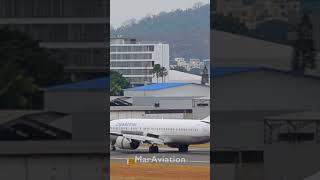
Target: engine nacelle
{"points": [[124, 143]]}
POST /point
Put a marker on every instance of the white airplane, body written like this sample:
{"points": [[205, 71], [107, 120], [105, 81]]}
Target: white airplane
{"points": [[176, 133]]}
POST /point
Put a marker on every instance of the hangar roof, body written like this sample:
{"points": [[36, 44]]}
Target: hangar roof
{"points": [[307, 115], [94, 84], [222, 71], [216, 72], [158, 86]]}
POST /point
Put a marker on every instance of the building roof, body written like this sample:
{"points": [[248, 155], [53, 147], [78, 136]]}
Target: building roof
{"points": [[94, 84], [216, 72], [307, 115], [230, 46], [157, 86], [120, 101], [223, 71], [177, 76], [34, 125], [226, 71]]}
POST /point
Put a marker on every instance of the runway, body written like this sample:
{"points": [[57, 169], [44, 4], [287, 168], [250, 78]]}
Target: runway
{"points": [[195, 156]]}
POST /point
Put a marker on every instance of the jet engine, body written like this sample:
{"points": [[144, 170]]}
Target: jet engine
{"points": [[124, 143]]}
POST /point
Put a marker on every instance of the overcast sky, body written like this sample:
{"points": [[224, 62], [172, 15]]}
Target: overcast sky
{"points": [[123, 10]]}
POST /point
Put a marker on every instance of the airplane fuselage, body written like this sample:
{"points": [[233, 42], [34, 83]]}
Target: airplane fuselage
{"points": [[171, 131]]}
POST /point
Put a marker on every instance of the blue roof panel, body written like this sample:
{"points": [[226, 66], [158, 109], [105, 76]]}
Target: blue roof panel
{"points": [[223, 71], [95, 84], [158, 86]]}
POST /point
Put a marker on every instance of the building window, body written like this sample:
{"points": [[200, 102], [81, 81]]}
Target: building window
{"points": [[130, 56], [135, 71], [132, 63], [148, 48]]}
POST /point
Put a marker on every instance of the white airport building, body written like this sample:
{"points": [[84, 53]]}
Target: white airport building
{"points": [[135, 60]]}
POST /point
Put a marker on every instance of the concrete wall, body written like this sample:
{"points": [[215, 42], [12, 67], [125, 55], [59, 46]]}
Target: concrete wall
{"points": [[291, 161], [241, 103], [87, 109], [90, 126], [126, 114], [75, 101], [229, 50], [200, 113], [180, 91], [239, 129], [266, 90], [164, 102], [231, 171], [142, 114], [49, 167]]}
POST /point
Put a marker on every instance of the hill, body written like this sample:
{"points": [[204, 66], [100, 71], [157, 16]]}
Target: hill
{"points": [[187, 31]]}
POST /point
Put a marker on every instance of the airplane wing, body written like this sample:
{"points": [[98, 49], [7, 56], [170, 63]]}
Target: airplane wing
{"points": [[146, 139]]}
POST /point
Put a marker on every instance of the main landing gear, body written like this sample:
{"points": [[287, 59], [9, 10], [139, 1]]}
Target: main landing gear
{"points": [[153, 149], [183, 148]]}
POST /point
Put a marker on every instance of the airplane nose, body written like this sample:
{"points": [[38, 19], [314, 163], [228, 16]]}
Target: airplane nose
{"points": [[206, 129]]}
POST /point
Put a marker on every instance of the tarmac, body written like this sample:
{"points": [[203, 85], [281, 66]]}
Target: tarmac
{"points": [[195, 156]]}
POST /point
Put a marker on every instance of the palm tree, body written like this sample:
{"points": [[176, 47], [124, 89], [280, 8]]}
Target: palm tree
{"points": [[163, 73], [156, 71], [304, 52]]}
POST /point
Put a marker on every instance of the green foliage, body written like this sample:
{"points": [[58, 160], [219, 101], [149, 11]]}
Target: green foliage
{"points": [[229, 24], [159, 71], [16, 90], [304, 53], [18, 48], [163, 73], [196, 71], [24, 67], [187, 31], [156, 71], [118, 83], [180, 68]]}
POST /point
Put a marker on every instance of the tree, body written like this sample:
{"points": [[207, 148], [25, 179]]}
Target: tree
{"points": [[180, 68], [163, 73], [304, 53], [196, 71], [118, 83], [36, 62], [30, 67], [16, 89], [156, 71], [204, 76]]}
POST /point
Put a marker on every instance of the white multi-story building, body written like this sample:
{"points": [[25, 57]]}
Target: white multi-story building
{"points": [[135, 60]]}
